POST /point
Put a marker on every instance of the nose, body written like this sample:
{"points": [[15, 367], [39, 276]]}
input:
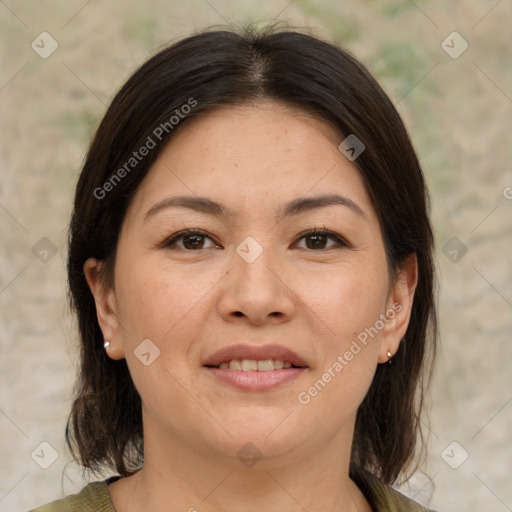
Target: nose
{"points": [[257, 291]]}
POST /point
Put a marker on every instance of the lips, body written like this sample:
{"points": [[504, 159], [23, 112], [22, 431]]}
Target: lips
{"points": [[255, 369], [259, 354]]}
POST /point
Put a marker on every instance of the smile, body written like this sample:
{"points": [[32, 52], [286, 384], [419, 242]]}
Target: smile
{"points": [[255, 367], [252, 365]]}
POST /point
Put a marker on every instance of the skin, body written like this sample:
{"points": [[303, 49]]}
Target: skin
{"points": [[190, 302]]}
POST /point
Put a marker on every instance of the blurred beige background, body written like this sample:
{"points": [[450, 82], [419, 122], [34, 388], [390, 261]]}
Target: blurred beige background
{"points": [[457, 103]]}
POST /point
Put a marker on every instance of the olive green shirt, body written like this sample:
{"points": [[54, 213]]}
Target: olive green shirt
{"points": [[95, 497]]}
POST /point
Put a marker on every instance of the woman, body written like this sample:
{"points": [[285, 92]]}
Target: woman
{"points": [[250, 261]]}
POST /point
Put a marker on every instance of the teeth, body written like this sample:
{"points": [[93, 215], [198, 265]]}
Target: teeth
{"points": [[235, 365], [265, 365], [251, 365]]}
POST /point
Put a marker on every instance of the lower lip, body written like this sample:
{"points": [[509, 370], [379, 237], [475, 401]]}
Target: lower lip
{"points": [[254, 380]]}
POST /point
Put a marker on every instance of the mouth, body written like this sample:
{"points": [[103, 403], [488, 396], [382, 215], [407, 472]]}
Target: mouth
{"points": [[255, 368], [253, 365]]}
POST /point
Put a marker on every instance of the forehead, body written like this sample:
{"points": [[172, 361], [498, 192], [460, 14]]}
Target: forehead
{"points": [[264, 151], [270, 126]]}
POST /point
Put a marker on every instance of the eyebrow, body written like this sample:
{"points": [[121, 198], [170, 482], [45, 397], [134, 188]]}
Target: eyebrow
{"points": [[295, 207]]}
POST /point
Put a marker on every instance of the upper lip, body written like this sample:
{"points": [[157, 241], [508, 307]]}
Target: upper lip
{"points": [[259, 353]]}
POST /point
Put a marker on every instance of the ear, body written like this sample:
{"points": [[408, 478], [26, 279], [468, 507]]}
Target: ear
{"points": [[399, 308], [106, 307]]}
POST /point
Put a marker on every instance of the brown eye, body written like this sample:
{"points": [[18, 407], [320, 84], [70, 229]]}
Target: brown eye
{"points": [[193, 241], [189, 240], [317, 240]]}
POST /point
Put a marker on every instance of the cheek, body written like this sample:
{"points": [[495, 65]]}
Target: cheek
{"points": [[153, 300], [167, 306], [349, 300], [349, 304], [347, 349]]}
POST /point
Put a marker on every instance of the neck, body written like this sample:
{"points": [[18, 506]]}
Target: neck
{"points": [[188, 477]]}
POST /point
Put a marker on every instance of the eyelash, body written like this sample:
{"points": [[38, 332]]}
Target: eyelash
{"points": [[170, 243]]}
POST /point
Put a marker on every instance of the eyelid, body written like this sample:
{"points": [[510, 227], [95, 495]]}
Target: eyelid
{"points": [[340, 240], [169, 242]]}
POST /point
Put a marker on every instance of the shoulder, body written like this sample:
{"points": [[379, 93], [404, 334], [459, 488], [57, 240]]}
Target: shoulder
{"points": [[94, 497], [383, 498]]}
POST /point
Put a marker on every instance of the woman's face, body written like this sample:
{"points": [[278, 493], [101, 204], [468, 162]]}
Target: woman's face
{"points": [[210, 321]]}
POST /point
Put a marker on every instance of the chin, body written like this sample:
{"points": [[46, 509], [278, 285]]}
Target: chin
{"points": [[272, 432]]}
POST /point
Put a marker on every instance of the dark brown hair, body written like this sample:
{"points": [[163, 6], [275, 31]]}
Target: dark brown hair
{"points": [[229, 67]]}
